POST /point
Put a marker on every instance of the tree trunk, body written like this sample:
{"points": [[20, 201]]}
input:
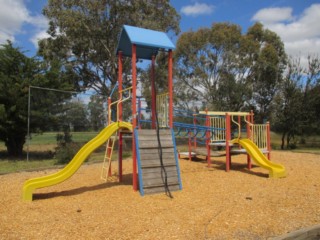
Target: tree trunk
{"points": [[290, 137], [282, 140], [14, 146], [288, 140]]}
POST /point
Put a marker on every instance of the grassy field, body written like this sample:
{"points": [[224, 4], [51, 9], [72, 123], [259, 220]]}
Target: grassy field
{"points": [[42, 148], [50, 137], [41, 153], [17, 165], [48, 142], [309, 144]]}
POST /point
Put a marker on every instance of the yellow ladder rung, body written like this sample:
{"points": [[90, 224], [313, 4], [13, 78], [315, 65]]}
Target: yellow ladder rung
{"points": [[106, 166]]}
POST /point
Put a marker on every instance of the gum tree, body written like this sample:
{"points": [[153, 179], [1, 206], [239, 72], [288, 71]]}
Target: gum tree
{"points": [[226, 70], [84, 35]]}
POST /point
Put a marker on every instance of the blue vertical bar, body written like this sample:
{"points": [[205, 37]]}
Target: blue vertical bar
{"points": [[139, 111], [136, 138], [176, 158]]}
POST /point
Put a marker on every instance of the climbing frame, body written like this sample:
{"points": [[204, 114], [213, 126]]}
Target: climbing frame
{"points": [[163, 110], [151, 171]]}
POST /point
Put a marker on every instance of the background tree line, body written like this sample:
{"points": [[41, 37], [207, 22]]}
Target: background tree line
{"points": [[219, 68], [79, 55], [54, 110]]}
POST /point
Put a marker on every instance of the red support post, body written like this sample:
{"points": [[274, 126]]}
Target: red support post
{"points": [[208, 140], [239, 122], [248, 118], [189, 145], [170, 88], [120, 143], [134, 120], [195, 138], [139, 112], [251, 116], [120, 82], [228, 138], [153, 94], [109, 110]]}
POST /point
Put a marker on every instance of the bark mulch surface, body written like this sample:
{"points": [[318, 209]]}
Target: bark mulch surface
{"points": [[213, 204]]}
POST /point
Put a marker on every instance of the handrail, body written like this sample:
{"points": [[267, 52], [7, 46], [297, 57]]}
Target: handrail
{"points": [[163, 94], [123, 100], [258, 134], [246, 121], [114, 88], [117, 102], [239, 126], [126, 89], [224, 113]]}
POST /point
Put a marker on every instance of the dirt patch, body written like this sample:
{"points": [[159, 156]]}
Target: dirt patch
{"points": [[213, 204]]}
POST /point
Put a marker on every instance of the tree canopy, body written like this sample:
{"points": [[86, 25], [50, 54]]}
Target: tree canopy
{"points": [[226, 70], [17, 73], [219, 68], [84, 35], [297, 102]]}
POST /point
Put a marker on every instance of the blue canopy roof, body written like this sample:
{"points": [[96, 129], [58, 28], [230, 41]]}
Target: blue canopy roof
{"points": [[148, 42]]}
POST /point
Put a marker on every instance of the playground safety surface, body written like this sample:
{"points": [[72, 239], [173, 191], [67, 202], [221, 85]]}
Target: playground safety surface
{"points": [[213, 204]]}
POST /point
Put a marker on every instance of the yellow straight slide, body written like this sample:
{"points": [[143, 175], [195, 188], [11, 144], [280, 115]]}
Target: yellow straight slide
{"points": [[275, 170], [58, 177]]}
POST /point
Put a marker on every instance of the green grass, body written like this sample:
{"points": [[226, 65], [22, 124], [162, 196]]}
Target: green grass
{"points": [[47, 141], [41, 153], [9, 166], [305, 144], [42, 148], [307, 150], [50, 137], [275, 139]]}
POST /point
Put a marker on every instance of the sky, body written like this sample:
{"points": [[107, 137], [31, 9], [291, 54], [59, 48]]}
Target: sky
{"points": [[297, 22]]}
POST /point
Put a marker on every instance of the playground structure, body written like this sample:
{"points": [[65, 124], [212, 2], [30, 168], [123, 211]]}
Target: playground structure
{"points": [[255, 145], [222, 130], [154, 153], [158, 172], [217, 129]]}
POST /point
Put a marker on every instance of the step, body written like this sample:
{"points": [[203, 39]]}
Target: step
{"points": [[161, 189]]}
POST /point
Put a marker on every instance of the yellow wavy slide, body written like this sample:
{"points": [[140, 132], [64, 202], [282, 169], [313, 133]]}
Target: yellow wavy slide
{"points": [[62, 175], [275, 170]]}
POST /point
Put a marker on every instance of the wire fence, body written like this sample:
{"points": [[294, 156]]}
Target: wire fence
{"points": [[56, 115]]}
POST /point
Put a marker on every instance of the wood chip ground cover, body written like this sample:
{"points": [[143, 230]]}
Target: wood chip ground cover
{"points": [[213, 204]]}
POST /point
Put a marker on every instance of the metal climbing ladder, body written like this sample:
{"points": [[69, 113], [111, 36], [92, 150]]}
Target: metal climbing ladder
{"points": [[155, 174], [106, 167]]}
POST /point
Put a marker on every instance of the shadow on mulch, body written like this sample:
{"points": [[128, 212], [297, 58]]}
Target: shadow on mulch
{"points": [[221, 165], [239, 167], [126, 180]]}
